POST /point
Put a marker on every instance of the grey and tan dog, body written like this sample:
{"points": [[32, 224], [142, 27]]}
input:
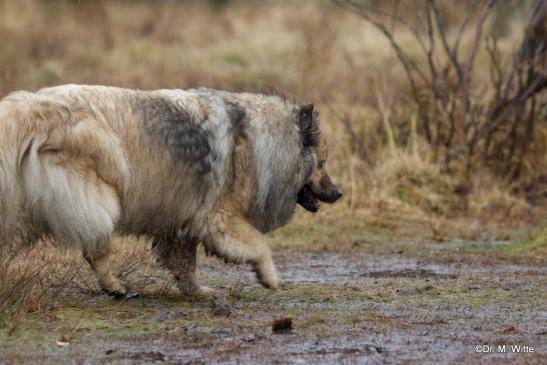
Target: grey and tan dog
{"points": [[79, 164]]}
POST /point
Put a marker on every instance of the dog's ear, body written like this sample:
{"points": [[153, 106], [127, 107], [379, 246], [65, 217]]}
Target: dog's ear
{"points": [[309, 125], [306, 117]]}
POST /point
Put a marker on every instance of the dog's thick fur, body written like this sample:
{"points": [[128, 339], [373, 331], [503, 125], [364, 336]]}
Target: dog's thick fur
{"points": [[79, 164]]}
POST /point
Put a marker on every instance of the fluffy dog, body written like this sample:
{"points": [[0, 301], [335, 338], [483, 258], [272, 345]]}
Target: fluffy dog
{"points": [[79, 164]]}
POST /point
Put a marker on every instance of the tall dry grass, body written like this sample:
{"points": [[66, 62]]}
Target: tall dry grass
{"points": [[41, 280]]}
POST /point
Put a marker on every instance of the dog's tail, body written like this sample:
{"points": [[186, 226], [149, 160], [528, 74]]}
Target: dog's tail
{"points": [[15, 144], [41, 197]]}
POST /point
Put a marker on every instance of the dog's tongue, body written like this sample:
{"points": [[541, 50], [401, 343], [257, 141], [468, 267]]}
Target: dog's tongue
{"points": [[308, 200], [312, 200]]}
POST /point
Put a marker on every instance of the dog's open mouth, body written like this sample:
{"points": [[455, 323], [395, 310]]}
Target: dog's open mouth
{"points": [[307, 199]]}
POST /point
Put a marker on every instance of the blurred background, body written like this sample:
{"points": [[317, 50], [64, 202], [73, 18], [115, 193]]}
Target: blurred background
{"points": [[435, 111]]}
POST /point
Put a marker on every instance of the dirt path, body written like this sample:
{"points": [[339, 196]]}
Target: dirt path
{"points": [[406, 303]]}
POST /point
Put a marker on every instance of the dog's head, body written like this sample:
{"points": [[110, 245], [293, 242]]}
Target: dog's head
{"points": [[318, 186]]}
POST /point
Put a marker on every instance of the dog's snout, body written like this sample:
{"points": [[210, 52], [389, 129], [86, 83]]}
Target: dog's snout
{"points": [[326, 191]]}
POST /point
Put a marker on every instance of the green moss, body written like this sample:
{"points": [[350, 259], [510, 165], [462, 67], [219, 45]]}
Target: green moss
{"points": [[314, 293], [425, 189], [49, 73], [332, 234], [233, 58], [535, 246]]}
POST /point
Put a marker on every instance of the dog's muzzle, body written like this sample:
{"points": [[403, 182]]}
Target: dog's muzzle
{"points": [[309, 199]]}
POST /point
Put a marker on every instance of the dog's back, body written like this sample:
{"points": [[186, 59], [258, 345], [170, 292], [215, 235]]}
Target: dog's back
{"points": [[78, 162]]}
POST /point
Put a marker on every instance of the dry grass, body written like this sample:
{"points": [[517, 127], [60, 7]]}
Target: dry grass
{"points": [[42, 279], [307, 50]]}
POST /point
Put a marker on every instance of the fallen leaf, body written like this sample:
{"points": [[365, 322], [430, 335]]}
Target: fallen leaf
{"points": [[63, 341], [509, 329], [282, 325]]}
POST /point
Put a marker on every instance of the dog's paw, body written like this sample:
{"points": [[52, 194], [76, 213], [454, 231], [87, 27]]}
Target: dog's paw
{"points": [[196, 291], [121, 295], [269, 281], [271, 284], [267, 275]]}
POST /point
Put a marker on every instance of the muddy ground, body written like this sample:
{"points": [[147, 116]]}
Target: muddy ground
{"points": [[353, 300]]}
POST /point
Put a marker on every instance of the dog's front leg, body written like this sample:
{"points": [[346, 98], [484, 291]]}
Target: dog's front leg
{"points": [[185, 272], [234, 239]]}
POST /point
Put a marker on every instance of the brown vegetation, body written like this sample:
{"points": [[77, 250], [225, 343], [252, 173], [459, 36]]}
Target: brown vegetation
{"points": [[458, 86]]}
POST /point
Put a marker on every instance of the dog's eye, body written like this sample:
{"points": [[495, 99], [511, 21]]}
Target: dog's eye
{"points": [[321, 164]]}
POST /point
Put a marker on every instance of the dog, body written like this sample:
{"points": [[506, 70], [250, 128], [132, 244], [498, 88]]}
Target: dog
{"points": [[79, 164]]}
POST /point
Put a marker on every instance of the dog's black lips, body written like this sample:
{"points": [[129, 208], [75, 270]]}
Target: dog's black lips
{"points": [[307, 199]]}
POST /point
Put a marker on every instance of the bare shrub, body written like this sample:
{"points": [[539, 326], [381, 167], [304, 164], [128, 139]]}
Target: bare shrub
{"points": [[501, 124]]}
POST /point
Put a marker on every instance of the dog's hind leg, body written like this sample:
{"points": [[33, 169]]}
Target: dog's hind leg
{"points": [[235, 240], [179, 256], [99, 258], [79, 208]]}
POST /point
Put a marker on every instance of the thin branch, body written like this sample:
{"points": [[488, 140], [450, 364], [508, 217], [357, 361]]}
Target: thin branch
{"points": [[408, 65], [478, 32], [498, 113], [468, 15], [431, 48], [394, 18], [441, 29]]}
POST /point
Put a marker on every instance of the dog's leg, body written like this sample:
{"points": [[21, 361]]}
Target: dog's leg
{"points": [[234, 239], [179, 256], [185, 272], [99, 258]]}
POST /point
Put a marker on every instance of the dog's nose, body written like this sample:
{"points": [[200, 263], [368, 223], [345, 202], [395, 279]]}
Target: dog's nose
{"points": [[339, 194]]}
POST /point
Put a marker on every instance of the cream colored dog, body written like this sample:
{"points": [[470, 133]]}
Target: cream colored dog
{"points": [[79, 164]]}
